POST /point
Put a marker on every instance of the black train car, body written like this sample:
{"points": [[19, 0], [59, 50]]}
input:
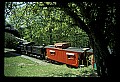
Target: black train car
{"points": [[35, 50], [28, 48], [23, 47], [38, 51]]}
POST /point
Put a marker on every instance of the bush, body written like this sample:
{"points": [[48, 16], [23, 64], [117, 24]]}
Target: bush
{"points": [[10, 41], [88, 72]]}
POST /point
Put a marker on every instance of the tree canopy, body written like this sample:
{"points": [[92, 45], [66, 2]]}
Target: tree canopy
{"points": [[45, 24]]}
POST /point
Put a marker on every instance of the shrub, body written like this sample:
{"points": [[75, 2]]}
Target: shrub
{"points": [[88, 72], [10, 41]]}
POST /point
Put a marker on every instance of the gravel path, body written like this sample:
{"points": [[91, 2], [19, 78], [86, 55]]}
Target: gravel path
{"points": [[41, 62]]}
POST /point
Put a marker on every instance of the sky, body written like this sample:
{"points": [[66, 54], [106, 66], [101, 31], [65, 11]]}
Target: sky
{"points": [[18, 6]]}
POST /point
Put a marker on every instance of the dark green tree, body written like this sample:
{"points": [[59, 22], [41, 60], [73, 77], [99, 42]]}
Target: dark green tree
{"points": [[101, 24]]}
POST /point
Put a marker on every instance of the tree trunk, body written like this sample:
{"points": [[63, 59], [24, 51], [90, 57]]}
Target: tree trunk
{"points": [[106, 62], [116, 46], [96, 31]]}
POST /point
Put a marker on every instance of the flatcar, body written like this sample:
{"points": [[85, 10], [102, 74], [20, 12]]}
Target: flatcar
{"points": [[59, 52]]}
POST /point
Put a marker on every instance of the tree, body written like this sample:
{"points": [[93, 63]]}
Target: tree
{"points": [[100, 23], [10, 41], [10, 29]]}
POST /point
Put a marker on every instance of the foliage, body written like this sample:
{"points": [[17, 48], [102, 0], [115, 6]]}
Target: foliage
{"points": [[46, 25], [10, 41]]}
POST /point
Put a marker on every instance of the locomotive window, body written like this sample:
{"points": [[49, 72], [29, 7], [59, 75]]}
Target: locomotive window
{"points": [[39, 51]]}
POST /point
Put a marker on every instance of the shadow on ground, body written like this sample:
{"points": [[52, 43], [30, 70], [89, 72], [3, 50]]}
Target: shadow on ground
{"points": [[11, 54]]}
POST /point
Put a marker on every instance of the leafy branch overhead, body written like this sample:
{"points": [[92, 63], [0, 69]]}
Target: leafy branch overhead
{"points": [[36, 20]]}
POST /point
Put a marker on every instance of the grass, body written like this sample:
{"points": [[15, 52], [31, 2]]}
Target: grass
{"points": [[16, 66]]}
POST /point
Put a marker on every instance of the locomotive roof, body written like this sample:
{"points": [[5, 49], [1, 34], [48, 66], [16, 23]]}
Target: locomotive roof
{"points": [[74, 49], [27, 42], [50, 46], [38, 46]]}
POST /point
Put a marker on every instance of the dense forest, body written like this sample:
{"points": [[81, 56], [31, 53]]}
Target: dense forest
{"points": [[83, 24]]}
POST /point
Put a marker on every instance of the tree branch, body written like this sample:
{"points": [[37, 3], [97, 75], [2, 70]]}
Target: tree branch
{"points": [[78, 21]]}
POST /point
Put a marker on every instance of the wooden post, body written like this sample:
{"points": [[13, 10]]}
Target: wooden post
{"points": [[92, 61], [82, 62]]}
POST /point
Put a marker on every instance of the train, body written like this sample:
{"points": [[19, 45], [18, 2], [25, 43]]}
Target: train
{"points": [[59, 52]]}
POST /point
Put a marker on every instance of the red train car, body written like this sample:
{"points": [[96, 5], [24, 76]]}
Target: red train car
{"points": [[71, 56], [74, 56], [56, 54]]}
